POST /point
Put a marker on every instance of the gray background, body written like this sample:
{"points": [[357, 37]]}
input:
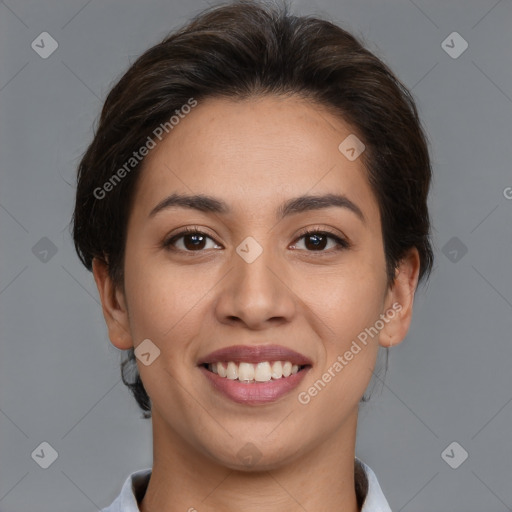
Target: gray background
{"points": [[449, 381]]}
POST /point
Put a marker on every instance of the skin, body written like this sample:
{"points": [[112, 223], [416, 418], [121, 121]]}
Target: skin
{"points": [[254, 154]]}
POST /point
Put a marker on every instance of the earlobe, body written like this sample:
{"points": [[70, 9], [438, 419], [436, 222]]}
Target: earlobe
{"points": [[400, 300], [113, 305]]}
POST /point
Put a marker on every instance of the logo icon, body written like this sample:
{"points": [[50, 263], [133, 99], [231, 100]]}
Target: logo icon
{"points": [[454, 249], [45, 455], [44, 250], [249, 249], [146, 352], [454, 45], [454, 455], [249, 454], [351, 147], [44, 45]]}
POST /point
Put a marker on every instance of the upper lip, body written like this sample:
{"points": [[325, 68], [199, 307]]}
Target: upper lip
{"points": [[255, 354]]}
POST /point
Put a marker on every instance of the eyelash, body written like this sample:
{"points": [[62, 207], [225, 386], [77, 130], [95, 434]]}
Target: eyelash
{"points": [[341, 243]]}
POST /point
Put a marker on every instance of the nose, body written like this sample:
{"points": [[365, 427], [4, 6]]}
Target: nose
{"points": [[256, 294]]}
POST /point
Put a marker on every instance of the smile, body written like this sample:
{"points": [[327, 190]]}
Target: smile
{"points": [[251, 373]]}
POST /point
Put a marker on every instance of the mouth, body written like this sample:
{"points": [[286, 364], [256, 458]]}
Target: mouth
{"points": [[254, 375]]}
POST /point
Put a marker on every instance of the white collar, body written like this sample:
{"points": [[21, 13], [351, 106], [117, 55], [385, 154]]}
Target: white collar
{"points": [[135, 486]]}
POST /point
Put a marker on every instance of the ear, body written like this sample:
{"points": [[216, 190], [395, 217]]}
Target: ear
{"points": [[399, 300], [114, 306]]}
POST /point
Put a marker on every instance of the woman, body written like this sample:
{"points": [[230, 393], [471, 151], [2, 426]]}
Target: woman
{"points": [[254, 210]]}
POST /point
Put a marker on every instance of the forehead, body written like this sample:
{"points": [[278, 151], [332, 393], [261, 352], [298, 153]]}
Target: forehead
{"points": [[254, 153]]}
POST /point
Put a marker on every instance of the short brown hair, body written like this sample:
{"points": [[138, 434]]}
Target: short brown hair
{"points": [[243, 49]]}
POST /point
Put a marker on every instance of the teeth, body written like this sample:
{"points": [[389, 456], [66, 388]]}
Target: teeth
{"points": [[220, 369], [277, 370], [262, 372], [248, 372], [245, 371], [232, 371]]}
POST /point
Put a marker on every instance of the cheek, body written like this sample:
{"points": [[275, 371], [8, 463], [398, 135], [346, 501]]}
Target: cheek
{"points": [[351, 304], [348, 299], [360, 299], [162, 299]]}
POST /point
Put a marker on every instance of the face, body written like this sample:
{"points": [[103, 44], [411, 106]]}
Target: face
{"points": [[247, 274]]}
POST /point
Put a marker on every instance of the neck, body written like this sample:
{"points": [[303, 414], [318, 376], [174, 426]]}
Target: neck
{"points": [[183, 478]]}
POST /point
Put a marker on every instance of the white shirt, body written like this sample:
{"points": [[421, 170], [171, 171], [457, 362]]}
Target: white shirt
{"points": [[135, 486]]}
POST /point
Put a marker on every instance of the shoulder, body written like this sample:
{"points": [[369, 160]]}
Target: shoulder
{"points": [[369, 487], [132, 492]]}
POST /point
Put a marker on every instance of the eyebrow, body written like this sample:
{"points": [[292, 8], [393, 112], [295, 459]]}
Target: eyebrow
{"points": [[305, 203]]}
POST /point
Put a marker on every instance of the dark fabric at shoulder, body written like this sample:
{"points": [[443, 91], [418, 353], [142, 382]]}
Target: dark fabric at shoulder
{"points": [[361, 482], [140, 485]]}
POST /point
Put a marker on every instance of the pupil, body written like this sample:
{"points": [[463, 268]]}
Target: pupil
{"points": [[316, 244], [194, 244]]}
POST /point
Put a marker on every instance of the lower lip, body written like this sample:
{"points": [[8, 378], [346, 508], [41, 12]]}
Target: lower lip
{"points": [[255, 392]]}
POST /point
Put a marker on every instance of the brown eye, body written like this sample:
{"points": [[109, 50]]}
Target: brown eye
{"points": [[194, 241], [319, 240], [189, 240]]}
